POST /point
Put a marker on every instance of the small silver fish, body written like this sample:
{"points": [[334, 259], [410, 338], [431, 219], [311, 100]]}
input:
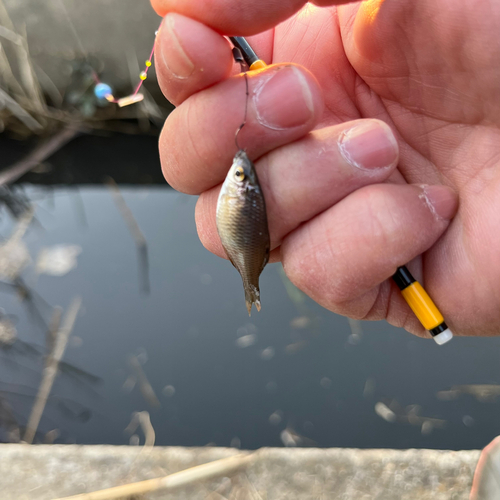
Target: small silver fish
{"points": [[242, 225]]}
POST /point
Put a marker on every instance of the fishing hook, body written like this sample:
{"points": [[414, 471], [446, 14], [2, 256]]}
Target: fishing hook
{"points": [[239, 58]]}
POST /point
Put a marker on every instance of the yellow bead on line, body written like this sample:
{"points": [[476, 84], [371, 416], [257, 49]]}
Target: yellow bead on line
{"points": [[148, 63], [143, 75]]}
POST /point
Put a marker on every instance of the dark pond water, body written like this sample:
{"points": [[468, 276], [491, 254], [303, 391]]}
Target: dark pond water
{"points": [[218, 376]]}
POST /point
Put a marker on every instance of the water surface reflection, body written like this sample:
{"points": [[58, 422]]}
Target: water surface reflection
{"points": [[184, 349]]}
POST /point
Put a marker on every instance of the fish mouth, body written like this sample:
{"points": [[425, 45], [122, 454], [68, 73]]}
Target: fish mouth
{"points": [[240, 155]]}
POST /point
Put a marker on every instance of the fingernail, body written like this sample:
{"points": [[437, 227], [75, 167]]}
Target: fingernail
{"points": [[369, 145], [284, 100], [173, 54], [441, 200]]}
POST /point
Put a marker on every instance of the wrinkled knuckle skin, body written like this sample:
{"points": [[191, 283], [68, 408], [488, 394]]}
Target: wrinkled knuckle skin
{"points": [[314, 282]]}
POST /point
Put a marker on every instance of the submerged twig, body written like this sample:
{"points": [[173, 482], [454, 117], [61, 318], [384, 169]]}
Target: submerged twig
{"points": [[51, 334], [126, 213], [143, 419], [185, 477], [39, 154], [135, 231], [22, 226], [28, 296], [50, 370], [145, 387], [79, 206]]}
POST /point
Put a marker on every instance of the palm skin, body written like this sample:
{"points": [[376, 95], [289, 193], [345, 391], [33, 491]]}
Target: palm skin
{"points": [[430, 70]]}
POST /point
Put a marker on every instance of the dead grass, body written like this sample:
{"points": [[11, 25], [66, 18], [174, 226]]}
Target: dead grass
{"points": [[31, 104]]}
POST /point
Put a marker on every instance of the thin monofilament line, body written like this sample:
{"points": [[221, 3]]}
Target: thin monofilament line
{"points": [[246, 109], [103, 90], [145, 72]]}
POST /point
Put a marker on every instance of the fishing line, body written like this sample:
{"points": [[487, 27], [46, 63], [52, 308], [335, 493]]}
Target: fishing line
{"points": [[245, 55], [103, 90], [239, 58]]}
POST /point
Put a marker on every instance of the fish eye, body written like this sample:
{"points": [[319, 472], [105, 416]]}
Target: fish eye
{"points": [[239, 173]]}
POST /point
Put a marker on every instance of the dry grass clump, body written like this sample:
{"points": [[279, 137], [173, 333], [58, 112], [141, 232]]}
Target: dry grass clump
{"points": [[31, 104]]}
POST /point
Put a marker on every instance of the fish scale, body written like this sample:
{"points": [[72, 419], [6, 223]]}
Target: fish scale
{"points": [[242, 225]]}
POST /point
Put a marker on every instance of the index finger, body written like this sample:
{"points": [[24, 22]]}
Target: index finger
{"points": [[240, 17]]}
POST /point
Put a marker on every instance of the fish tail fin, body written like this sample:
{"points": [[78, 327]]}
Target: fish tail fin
{"points": [[252, 296]]}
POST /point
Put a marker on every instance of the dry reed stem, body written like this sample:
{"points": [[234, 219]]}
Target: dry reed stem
{"points": [[7, 74], [50, 370], [27, 74], [168, 483], [10, 35], [19, 112]]}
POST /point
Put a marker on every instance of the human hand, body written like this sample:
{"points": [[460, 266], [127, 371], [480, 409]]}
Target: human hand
{"points": [[342, 216]]}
